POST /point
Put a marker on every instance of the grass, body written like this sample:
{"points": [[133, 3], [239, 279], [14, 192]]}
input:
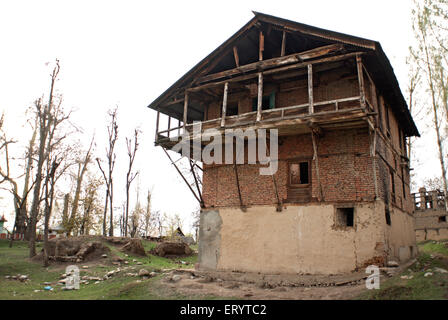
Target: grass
{"points": [[14, 261], [433, 254]]}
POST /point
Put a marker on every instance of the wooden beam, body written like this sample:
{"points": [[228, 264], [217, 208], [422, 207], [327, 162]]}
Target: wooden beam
{"points": [[178, 126], [185, 109], [235, 55], [274, 62], [271, 71], [282, 53], [260, 96], [224, 104], [310, 89], [361, 81], [261, 47]]}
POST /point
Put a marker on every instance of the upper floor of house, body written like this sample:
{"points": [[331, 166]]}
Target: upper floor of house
{"points": [[276, 73]]}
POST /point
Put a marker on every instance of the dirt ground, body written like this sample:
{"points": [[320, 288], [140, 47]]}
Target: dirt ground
{"points": [[244, 286]]}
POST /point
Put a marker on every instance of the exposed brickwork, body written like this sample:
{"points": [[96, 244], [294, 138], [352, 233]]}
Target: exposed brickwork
{"points": [[345, 172]]}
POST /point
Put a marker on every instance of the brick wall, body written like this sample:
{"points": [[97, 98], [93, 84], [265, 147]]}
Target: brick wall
{"points": [[346, 172]]}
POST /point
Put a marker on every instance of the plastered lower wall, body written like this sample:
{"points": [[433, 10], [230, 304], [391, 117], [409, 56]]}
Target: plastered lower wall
{"points": [[300, 239]]}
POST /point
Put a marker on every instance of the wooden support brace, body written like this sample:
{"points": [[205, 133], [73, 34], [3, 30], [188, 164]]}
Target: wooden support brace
{"points": [[188, 184], [260, 96], [316, 161], [243, 207], [373, 155], [196, 182], [224, 104]]}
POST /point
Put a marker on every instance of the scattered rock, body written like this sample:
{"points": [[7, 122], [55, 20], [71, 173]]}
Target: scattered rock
{"points": [[176, 278], [85, 267], [23, 278], [143, 273], [407, 277], [7, 277], [96, 282], [104, 256], [153, 274], [428, 274], [393, 264], [440, 270], [110, 273], [139, 263], [126, 262]]}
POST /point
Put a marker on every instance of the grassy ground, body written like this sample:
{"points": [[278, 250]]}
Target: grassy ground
{"points": [[14, 261], [433, 254]]}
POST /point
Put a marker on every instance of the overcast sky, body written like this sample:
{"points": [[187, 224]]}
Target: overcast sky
{"points": [[127, 53]]}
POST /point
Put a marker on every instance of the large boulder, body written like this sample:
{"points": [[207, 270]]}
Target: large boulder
{"points": [[134, 246], [172, 248]]}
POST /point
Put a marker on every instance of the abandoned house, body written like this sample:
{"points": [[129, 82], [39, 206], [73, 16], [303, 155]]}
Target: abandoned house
{"points": [[430, 215], [340, 199]]}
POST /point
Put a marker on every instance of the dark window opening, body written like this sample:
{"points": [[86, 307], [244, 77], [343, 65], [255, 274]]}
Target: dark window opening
{"points": [[299, 173], [442, 219], [232, 109], [387, 213], [345, 217], [267, 102]]}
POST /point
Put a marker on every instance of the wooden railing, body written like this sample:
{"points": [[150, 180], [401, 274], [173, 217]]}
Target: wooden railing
{"points": [[271, 115]]}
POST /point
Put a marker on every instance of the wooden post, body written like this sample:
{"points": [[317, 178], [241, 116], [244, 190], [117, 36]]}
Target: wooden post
{"points": [[260, 96], [261, 48], [178, 127], [310, 89], [235, 54], [224, 104], [185, 111], [196, 182], [169, 126], [361, 81], [157, 125], [282, 53]]}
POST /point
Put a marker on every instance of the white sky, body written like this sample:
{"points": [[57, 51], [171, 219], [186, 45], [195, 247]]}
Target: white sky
{"points": [[127, 53]]}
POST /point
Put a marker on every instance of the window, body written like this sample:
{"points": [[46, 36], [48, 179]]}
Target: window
{"points": [[345, 217], [387, 214], [442, 219], [267, 102], [299, 173]]}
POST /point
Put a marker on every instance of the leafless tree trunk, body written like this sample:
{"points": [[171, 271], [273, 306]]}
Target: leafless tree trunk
{"points": [[130, 176], [82, 167], [112, 130]]}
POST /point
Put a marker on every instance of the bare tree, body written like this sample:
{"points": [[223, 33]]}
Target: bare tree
{"points": [[112, 130], [132, 147], [82, 168]]}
